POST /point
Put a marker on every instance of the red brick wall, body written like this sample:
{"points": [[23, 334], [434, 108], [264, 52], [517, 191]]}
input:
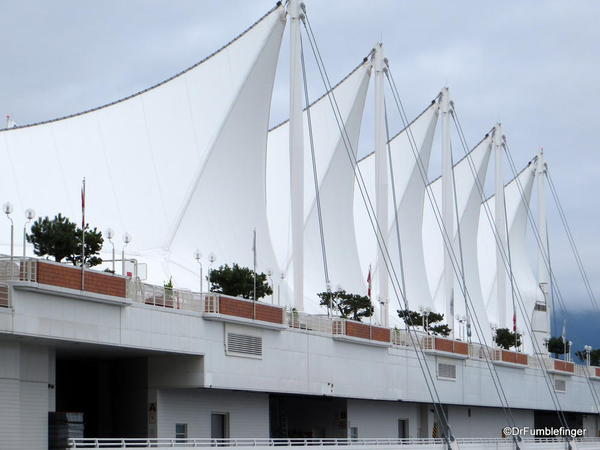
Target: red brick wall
{"points": [[240, 308], [564, 366], [461, 348], [522, 359], [268, 313], [359, 330], [514, 357], [70, 277], [448, 345], [598, 371], [380, 334], [444, 345]]}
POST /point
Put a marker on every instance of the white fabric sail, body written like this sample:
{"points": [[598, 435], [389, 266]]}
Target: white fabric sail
{"points": [[335, 178], [517, 197], [468, 205], [166, 164], [410, 190]]}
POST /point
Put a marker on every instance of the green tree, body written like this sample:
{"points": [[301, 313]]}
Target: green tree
{"points": [[61, 239], [594, 356], [350, 306], [557, 346], [506, 339], [238, 281], [431, 324]]}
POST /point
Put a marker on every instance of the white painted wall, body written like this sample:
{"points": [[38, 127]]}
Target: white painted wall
{"points": [[379, 419], [484, 422], [248, 412], [24, 395], [293, 361]]}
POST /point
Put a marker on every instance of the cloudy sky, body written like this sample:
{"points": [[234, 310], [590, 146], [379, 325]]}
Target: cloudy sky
{"points": [[531, 65]]}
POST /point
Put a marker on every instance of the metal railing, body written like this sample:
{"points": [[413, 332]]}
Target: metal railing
{"points": [[165, 297], [211, 303], [18, 268], [309, 322], [424, 443]]}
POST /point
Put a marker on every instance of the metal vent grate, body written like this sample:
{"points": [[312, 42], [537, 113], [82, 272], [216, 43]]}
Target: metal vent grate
{"points": [[447, 371], [560, 385], [244, 345]]}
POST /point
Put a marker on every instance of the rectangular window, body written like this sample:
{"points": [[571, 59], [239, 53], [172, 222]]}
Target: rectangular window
{"points": [[402, 428], [181, 431], [447, 371], [219, 426], [560, 384], [354, 433]]}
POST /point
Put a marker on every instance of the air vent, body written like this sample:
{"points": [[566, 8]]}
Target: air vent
{"points": [[447, 371], [244, 345], [560, 385]]}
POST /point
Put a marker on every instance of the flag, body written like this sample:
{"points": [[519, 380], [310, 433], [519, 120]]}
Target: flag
{"points": [[564, 331], [369, 282], [514, 322]]}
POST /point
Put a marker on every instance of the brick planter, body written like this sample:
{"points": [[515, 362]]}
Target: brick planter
{"points": [[70, 278], [514, 357], [451, 346], [564, 366], [250, 310], [364, 331]]}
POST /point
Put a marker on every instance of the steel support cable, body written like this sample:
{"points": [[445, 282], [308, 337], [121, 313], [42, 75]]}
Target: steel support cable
{"points": [[395, 200], [572, 243], [510, 268], [314, 168], [537, 350], [575, 250], [443, 230], [555, 284], [504, 258], [423, 364], [556, 287]]}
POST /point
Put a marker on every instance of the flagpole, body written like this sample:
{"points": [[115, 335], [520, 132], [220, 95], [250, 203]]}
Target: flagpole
{"points": [[254, 256], [83, 234]]}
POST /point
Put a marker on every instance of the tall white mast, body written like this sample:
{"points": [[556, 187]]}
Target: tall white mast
{"points": [[500, 220], [447, 209], [381, 177], [541, 314], [296, 149]]}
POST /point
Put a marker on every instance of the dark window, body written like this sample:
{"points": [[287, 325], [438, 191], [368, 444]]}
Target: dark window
{"points": [[181, 431], [219, 426], [402, 428]]}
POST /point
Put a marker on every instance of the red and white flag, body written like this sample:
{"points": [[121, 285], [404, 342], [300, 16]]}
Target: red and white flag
{"points": [[514, 322], [369, 282]]}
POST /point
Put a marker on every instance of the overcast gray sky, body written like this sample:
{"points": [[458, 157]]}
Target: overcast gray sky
{"points": [[533, 65]]}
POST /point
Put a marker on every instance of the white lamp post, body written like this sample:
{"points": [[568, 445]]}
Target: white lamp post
{"points": [[270, 275], [110, 234], [211, 259], [7, 208], [282, 276], [126, 240], [588, 351], [198, 257], [29, 215]]}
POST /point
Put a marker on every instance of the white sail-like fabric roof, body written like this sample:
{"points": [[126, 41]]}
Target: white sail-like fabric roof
{"points": [[517, 198], [172, 164], [468, 204], [335, 177], [410, 190]]}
